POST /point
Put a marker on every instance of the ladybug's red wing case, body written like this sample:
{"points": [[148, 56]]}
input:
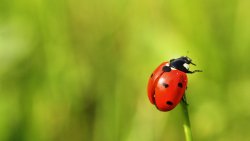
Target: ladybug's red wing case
{"points": [[170, 89], [153, 81]]}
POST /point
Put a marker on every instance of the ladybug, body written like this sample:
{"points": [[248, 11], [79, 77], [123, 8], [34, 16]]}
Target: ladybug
{"points": [[167, 84]]}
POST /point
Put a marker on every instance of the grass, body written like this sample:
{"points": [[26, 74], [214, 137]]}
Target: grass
{"points": [[186, 123]]}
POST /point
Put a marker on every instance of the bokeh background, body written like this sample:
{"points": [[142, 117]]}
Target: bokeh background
{"points": [[77, 70]]}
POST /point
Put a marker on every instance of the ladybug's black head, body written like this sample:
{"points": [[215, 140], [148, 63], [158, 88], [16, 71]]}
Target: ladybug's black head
{"points": [[182, 64]]}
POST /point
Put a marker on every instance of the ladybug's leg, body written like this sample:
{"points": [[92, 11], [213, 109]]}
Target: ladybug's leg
{"points": [[184, 99], [194, 71]]}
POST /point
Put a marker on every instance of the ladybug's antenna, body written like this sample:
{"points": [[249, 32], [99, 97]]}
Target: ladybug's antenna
{"points": [[192, 63]]}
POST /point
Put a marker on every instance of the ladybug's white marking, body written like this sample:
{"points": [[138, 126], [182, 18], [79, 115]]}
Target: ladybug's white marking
{"points": [[188, 59], [186, 66]]}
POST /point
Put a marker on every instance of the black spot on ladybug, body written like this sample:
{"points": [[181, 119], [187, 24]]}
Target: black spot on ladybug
{"points": [[169, 103], [165, 85], [152, 75], [180, 85], [166, 69]]}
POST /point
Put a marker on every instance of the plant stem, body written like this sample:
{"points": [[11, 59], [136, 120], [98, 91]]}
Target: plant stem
{"points": [[186, 124]]}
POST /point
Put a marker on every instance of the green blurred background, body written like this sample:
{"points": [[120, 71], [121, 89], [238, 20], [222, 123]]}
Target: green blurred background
{"points": [[77, 70]]}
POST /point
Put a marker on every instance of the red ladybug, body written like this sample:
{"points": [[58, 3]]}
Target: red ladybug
{"points": [[167, 84]]}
